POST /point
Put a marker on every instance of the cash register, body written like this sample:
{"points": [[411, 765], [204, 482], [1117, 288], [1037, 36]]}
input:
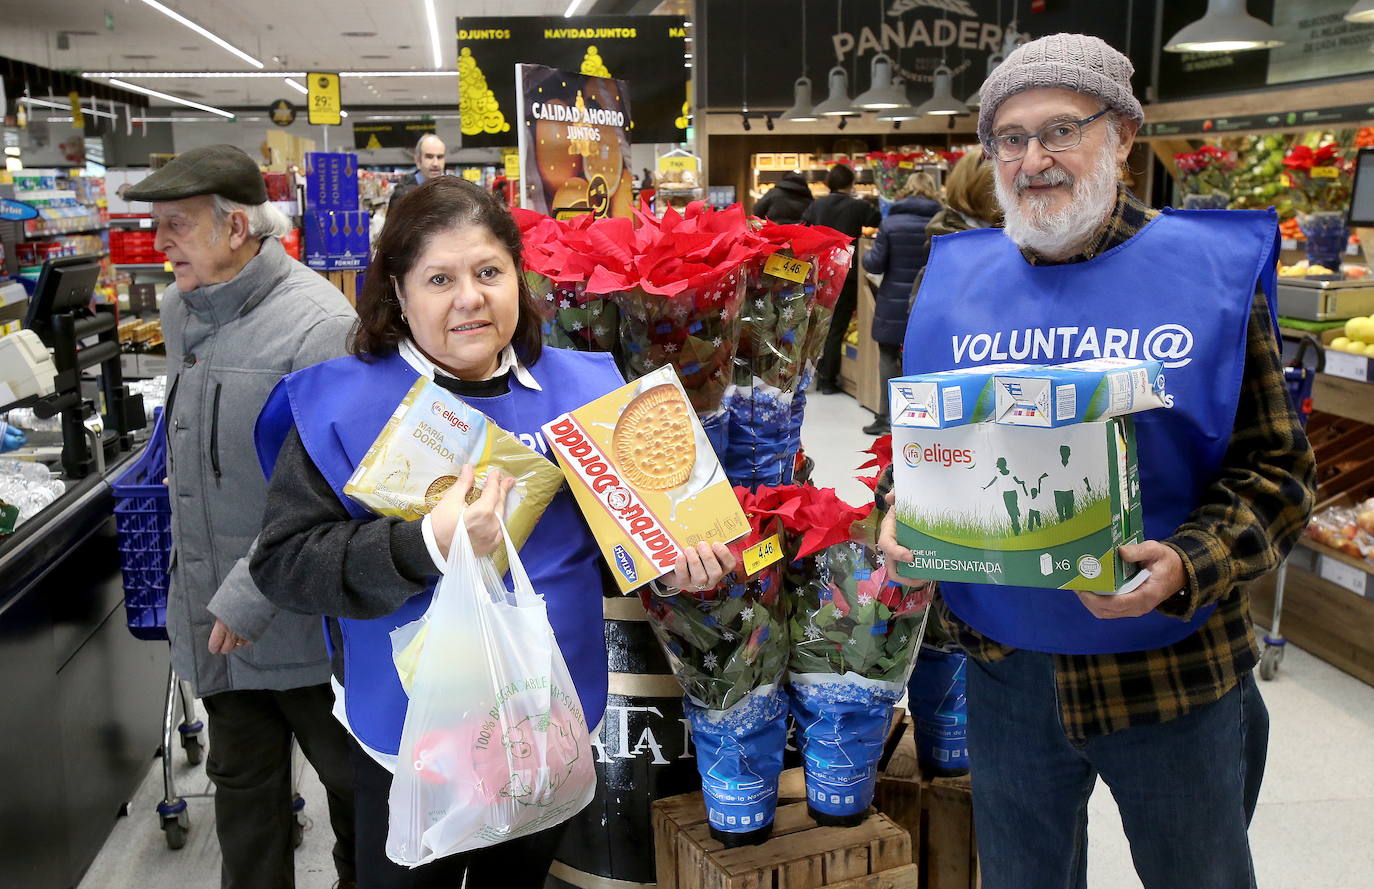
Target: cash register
{"points": [[41, 366]]}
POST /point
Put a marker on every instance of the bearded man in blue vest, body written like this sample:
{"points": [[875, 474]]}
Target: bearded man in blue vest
{"points": [[1151, 690]]}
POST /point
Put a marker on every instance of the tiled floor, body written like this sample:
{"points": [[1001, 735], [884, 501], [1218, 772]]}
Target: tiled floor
{"points": [[1313, 830]]}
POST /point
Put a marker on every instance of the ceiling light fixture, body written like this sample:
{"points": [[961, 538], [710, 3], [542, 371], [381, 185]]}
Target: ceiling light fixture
{"points": [[296, 86], [213, 38], [1361, 12], [170, 98], [801, 102], [1226, 27], [943, 101], [572, 8], [231, 75], [433, 33], [881, 93], [837, 104]]}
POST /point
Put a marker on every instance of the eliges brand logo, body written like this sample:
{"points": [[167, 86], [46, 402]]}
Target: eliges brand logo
{"points": [[939, 455], [448, 416], [1171, 344]]}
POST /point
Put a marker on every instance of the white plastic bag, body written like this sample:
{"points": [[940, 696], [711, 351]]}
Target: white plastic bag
{"points": [[495, 744]]}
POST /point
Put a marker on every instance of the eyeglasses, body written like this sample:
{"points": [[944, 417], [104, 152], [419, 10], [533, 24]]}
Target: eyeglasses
{"points": [[1058, 136]]}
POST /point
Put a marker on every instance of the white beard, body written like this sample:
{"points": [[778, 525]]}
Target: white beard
{"points": [[1031, 224]]}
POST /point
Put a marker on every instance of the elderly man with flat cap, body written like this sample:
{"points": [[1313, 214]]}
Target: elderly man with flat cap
{"points": [[1151, 690], [239, 316]]}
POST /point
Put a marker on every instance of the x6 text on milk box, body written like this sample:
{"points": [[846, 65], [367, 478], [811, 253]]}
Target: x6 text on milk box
{"points": [[1079, 392], [1018, 506]]}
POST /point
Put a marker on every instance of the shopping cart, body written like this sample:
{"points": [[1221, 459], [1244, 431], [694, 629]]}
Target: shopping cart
{"points": [[143, 521], [1298, 376]]}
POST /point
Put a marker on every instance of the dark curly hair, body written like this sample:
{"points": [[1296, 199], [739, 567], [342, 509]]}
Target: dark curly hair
{"points": [[439, 205]]}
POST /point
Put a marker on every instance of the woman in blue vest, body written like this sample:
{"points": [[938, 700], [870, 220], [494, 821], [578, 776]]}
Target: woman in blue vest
{"points": [[445, 298]]}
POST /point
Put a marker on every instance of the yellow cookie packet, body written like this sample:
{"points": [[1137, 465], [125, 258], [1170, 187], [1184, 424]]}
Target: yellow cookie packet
{"points": [[423, 447]]}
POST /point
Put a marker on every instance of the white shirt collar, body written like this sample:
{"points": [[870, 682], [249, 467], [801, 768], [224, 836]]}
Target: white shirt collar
{"points": [[509, 362]]}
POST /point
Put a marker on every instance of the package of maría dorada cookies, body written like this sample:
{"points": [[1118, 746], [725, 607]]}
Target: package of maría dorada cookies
{"points": [[645, 477], [423, 447]]}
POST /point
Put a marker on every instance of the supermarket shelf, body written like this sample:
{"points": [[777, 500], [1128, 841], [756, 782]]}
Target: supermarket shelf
{"points": [[143, 223], [1321, 549], [1344, 397], [145, 266], [56, 233], [1321, 617]]}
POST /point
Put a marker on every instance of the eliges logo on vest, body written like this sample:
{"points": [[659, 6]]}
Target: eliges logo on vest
{"points": [[448, 416], [1171, 344]]}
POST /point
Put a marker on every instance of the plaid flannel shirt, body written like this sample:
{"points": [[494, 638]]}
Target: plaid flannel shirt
{"points": [[1242, 528]]}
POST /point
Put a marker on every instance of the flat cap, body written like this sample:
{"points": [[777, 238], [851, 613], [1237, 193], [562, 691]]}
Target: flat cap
{"points": [[1076, 62], [214, 169]]}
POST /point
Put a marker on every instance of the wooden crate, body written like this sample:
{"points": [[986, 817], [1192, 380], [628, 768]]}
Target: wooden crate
{"points": [[346, 282], [936, 812], [800, 855]]}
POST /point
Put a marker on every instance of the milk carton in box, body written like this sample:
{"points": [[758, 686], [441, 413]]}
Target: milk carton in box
{"points": [[1080, 392], [1011, 505], [946, 398]]}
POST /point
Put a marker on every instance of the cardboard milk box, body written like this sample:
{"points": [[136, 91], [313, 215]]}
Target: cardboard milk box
{"points": [[1012, 505], [1080, 392], [948, 397], [645, 477]]}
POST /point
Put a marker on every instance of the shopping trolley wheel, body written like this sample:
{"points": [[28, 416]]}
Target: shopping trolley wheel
{"points": [[1269, 661], [194, 750], [175, 828]]}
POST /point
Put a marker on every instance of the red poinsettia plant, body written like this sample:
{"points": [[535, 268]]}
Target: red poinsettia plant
{"points": [[1207, 170], [1319, 178]]}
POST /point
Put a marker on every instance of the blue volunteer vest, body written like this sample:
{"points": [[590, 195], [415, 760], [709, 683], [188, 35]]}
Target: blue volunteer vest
{"points": [[1180, 290], [561, 556]]}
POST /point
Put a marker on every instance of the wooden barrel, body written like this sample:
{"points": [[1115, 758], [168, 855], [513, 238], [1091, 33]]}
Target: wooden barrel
{"points": [[643, 753]]}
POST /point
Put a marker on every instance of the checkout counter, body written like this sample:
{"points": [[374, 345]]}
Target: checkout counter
{"points": [[81, 699]]}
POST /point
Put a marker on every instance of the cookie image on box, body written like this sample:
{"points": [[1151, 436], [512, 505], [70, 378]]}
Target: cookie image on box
{"points": [[654, 441], [437, 488]]}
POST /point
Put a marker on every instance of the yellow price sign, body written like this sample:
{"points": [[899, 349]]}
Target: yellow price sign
{"points": [[677, 163], [762, 554], [513, 166], [472, 174], [1326, 173], [167, 266], [78, 113], [787, 267], [323, 98], [906, 165]]}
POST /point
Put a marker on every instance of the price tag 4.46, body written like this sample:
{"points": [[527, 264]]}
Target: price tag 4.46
{"points": [[1326, 173], [787, 267], [762, 554]]}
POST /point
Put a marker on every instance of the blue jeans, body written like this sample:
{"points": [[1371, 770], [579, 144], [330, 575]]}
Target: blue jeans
{"points": [[1186, 788]]}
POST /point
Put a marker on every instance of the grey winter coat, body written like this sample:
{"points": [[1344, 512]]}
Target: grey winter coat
{"points": [[227, 346]]}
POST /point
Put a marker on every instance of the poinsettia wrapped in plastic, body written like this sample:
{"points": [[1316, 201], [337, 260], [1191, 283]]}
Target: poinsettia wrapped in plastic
{"points": [[832, 267], [855, 635], [890, 170], [779, 307], [561, 258], [728, 648], [684, 307]]}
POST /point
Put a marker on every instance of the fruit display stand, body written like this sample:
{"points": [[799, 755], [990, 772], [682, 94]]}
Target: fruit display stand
{"points": [[875, 854]]}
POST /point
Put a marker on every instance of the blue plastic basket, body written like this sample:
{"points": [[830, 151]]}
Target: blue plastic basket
{"points": [[143, 519]]}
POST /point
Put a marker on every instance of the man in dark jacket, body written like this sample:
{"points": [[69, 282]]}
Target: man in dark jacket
{"points": [[843, 212], [786, 201], [898, 254], [429, 164]]}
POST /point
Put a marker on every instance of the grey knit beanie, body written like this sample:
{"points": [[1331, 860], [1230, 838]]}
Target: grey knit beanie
{"points": [[1074, 62]]}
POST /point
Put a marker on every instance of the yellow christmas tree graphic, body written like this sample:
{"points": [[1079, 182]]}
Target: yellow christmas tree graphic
{"points": [[477, 105], [681, 122], [592, 65]]}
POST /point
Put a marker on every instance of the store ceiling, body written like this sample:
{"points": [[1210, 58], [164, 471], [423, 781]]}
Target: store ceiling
{"points": [[286, 35]]}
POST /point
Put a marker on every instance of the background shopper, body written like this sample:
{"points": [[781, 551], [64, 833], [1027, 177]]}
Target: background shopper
{"points": [[898, 254], [240, 314], [787, 201], [969, 199], [843, 212], [429, 164]]}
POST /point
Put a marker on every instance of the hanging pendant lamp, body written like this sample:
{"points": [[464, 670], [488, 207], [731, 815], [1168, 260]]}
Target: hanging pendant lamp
{"points": [[881, 94], [943, 101], [837, 104], [1362, 12], [976, 100], [1226, 27], [905, 111], [801, 102]]}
